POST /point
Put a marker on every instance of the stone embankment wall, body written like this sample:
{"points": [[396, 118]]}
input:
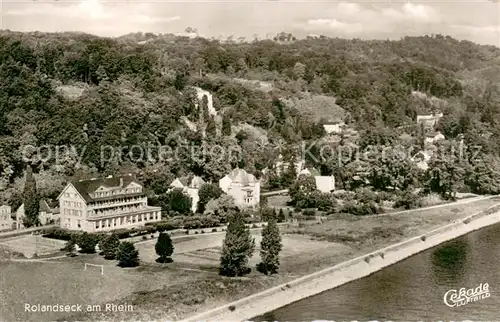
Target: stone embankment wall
{"points": [[327, 279]]}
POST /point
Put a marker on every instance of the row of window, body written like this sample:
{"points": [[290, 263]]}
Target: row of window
{"points": [[73, 212], [73, 204], [116, 210], [117, 201], [126, 220], [115, 192]]}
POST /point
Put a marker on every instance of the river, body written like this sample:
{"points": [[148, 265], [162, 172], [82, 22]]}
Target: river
{"points": [[413, 289]]}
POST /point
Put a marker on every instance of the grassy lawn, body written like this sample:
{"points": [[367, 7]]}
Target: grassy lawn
{"points": [[191, 284]]}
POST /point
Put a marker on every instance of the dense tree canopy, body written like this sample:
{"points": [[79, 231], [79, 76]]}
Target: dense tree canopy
{"points": [[127, 106]]}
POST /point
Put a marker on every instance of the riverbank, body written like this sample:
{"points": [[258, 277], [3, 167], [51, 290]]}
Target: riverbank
{"points": [[356, 268]]}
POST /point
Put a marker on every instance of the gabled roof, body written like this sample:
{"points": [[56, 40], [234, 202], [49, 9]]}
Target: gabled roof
{"points": [[87, 187], [191, 182], [241, 176], [44, 206]]}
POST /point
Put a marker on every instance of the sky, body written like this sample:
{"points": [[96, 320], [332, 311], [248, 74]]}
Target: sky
{"points": [[475, 20]]}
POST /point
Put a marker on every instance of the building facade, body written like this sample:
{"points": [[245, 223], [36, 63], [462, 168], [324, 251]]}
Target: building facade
{"points": [[243, 187], [5, 218], [111, 203], [189, 186]]}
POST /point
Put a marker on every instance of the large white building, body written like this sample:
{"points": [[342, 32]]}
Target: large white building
{"points": [[189, 186], [105, 204], [243, 187]]}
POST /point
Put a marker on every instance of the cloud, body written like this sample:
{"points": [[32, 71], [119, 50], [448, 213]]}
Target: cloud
{"points": [[366, 20], [94, 16]]}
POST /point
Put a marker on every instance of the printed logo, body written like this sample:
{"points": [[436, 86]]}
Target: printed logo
{"points": [[454, 298]]}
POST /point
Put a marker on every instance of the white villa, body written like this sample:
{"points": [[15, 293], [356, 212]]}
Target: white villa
{"points": [[324, 184], [243, 187], [189, 186], [97, 205], [5, 218]]}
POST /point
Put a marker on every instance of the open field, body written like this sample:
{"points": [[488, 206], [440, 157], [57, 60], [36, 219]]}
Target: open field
{"points": [[205, 250], [30, 245], [191, 284]]}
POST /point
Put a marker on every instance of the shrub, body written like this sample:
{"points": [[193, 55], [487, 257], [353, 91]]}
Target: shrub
{"points": [[109, 246], [254, 226], [214, 230], [87, 242], [423, 238], [144, 237], [408, 200], [57, 233], [127, 255], [232, 308], [309, 213], [202, 231]]}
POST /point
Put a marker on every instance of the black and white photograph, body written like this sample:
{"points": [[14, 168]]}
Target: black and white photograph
{"points": [[249, 160]]}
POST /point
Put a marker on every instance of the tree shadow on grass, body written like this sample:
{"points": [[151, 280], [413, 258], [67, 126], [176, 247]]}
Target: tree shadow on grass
{"points": [[164, 260]]}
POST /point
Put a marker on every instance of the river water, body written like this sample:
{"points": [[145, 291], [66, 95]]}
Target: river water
{"points": [[414, 289]]}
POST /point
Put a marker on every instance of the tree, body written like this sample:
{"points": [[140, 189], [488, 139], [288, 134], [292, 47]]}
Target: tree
{"points": [[281, 216], [176, 200], [270, 248], [445, 176], [204, 109], [207, 192], [87, 243], [164, 248], [109, 246], [290, 175], [31, 199], [211, 128], [226, 125], [127, 255], [70, 246], [302, 190], [238, 246]]}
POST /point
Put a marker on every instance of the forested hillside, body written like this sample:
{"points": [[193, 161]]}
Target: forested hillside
{"points": [[82, 91]]}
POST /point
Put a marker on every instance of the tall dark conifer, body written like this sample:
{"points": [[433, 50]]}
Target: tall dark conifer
{"points": [[31, 199], [237, 248]]}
